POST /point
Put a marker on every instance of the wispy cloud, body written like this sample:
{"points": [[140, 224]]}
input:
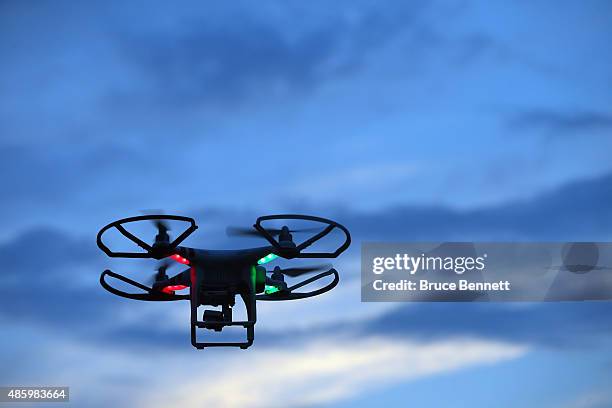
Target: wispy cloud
{"points": [[330, 370], [208, 61], [372, 178]]}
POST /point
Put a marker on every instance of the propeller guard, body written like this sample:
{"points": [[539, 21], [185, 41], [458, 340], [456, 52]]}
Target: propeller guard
{"points": [[290, 295], [149, 254], [331, 225], [151, 295]]}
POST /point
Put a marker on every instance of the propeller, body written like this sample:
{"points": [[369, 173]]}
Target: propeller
{"points": [[298, 271], [162, 231], [161, 274], [252, 232], [162, 226]]}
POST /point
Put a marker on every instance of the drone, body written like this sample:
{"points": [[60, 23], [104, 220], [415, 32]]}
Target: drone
{"points": [[215, 277]]}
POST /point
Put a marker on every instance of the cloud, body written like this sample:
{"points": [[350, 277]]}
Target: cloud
{"points": [[53, 249], [329, 370], [538, 324], [52, 174], [576, 211], [246, 54], [50, 279], [368, 178]]}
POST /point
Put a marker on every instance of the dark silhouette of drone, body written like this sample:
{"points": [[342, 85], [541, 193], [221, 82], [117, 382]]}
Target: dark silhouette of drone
{"points": [[215, 277]]}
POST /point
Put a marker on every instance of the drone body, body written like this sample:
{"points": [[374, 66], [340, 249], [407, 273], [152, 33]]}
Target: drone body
{"points": [[216, 277]]}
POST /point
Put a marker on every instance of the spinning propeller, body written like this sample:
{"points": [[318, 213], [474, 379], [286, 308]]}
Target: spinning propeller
{"points": [[161, 274], [276, 281], [299, 271], [162, 232], [251, 232]]}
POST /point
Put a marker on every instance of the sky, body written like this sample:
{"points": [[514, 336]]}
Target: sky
{"points": [[405, 121]]}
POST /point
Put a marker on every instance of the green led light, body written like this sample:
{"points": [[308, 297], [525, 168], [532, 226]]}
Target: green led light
{"points": [[267, 258], [271, 289], [254, 276]]}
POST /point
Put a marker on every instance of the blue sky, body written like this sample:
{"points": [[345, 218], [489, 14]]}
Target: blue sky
{"points": [[406, 121]]}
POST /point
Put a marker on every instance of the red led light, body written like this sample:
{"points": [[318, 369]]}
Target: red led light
{"points": [[172, 288], [179, 259]]}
